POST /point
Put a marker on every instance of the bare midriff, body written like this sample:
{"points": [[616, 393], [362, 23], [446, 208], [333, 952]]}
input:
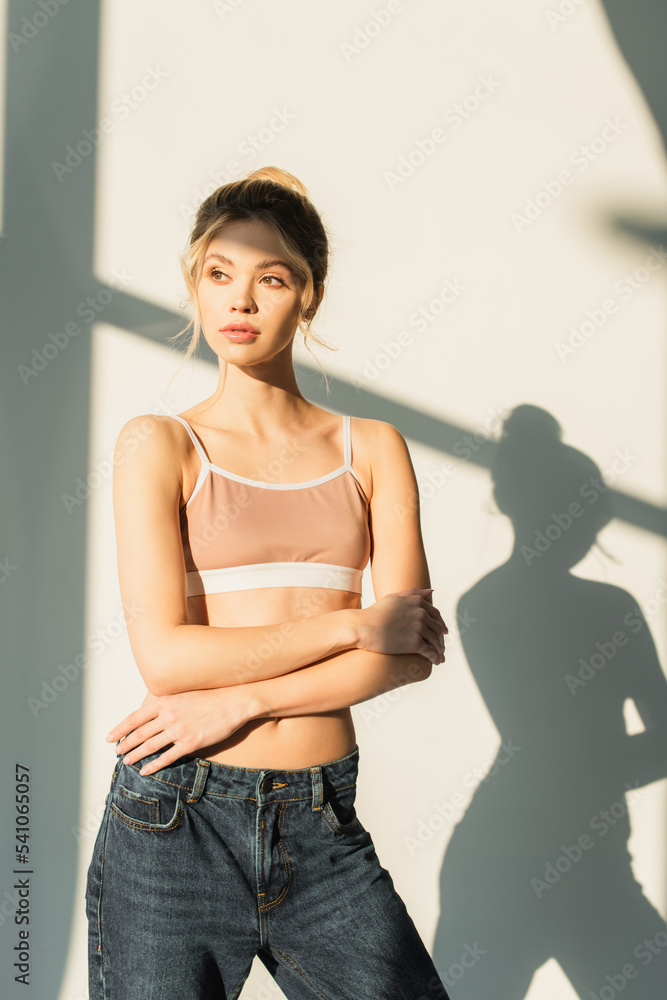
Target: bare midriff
{"points": [[292, 741]]}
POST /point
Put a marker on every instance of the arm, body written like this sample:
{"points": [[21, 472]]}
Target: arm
{"points": [[196, 719], [337, 682], [172, 655], [192, 720], [398, 561]]}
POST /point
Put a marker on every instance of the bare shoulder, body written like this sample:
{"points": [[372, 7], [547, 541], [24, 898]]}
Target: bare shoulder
{"points": [[382, 442], [381, 450], [152, 434], [371, 432], [151, 452]]}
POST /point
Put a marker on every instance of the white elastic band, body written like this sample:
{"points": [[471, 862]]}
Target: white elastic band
{"points": [[274, 574]]}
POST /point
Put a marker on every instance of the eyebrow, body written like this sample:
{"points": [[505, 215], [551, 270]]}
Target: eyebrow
{"points": [[276, 262]]}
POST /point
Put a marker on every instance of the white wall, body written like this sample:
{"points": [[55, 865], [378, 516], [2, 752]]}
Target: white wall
{"points": [[222, 71]]}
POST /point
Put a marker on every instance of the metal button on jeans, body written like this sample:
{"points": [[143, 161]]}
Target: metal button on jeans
{"points": [[266, 785]]}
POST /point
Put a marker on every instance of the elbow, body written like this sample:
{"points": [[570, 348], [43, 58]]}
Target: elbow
{"points": [[156, 686], [155, 678], [418, 669], [425, 670], [160, 679], [161, 682], [155, 666]]}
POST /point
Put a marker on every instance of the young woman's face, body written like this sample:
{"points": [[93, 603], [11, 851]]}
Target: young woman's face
{"points": [[246, 281]]}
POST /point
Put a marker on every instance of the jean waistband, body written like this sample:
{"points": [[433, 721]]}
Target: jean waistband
{"points": [[198, 776]]}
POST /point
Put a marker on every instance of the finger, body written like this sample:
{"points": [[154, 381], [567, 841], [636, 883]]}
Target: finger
{"points": [[429, 647], [122, 729], [435, 614], [126, 743], [440, 643], [427, 650], [441, 622], [152, 741], [168, 757], [131, 721], [434, 635], [435, 644], [139, 736]]}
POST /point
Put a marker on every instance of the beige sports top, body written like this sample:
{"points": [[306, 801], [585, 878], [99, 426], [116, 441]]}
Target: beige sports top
{"points": [[242, 534]]}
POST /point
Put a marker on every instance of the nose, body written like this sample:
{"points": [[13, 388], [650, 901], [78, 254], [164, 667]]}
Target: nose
{"points": [[242, 300]]}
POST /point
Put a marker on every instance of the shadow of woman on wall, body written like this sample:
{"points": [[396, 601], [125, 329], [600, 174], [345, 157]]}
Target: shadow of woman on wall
{"points": [[538, 867]]}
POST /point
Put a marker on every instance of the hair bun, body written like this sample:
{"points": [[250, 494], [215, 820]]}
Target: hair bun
{"points": [[535, 473], [528, 424], [279, 176]]}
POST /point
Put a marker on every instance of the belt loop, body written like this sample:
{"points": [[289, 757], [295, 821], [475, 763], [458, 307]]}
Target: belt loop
{"points": [[119, 761], [203, 767], [316, 774]]}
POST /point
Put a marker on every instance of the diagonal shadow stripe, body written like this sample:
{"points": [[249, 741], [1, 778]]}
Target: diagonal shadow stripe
{"points": [[157, 323]]}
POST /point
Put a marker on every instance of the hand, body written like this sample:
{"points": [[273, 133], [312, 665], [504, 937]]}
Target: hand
{"points": [[189, 720], [404, 622]]}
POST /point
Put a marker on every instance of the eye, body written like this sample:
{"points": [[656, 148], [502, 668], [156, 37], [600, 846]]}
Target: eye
{"points": [[215, 273], [275, 278]]}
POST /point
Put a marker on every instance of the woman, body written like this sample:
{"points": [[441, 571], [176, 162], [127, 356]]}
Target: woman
{"points": [[238, 835]]}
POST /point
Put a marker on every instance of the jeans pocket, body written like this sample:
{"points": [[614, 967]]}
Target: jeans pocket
{"points": [[146, 803], [339, 808]]}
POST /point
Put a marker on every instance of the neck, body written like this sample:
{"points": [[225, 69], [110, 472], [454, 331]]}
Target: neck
{"points": [[256, 399]]}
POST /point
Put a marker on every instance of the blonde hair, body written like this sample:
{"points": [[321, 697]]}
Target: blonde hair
{"points": [[279, 199]]}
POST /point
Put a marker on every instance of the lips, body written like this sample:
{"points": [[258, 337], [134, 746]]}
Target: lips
{"points": [[240, 328]]}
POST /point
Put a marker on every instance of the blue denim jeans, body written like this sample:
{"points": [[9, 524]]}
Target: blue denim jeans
{"points": [[201, 866]]}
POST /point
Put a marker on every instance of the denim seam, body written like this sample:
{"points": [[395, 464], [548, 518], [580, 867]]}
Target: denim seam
{"points": [[164, 781], [229, 795], [233, 996], [261, 867], [99, 895], [251, 798], [286, 863], [152, 802], [138, 825], [292, 965], [337, 828], [102, 850]]}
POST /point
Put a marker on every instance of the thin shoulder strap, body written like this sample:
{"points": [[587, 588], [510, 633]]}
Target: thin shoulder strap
{"points": [[347, 442], [195, 440], [347, 439]]}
